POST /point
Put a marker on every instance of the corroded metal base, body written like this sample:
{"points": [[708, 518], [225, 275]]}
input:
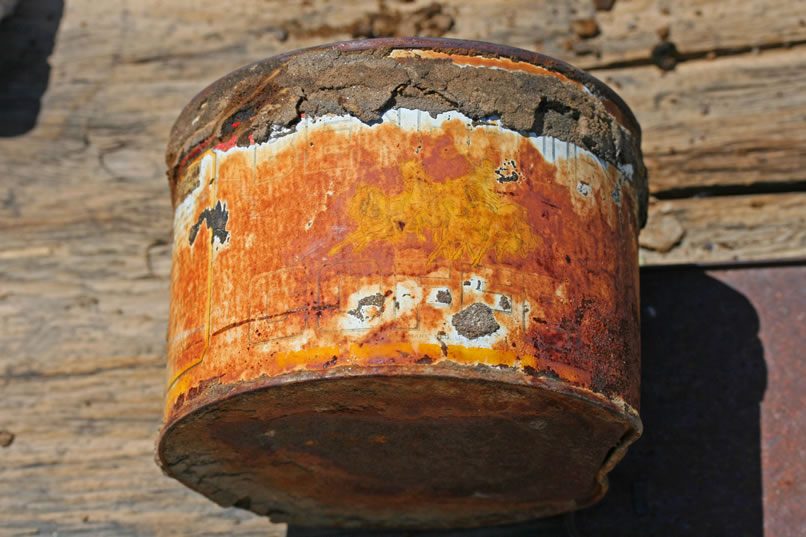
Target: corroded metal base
{"points": [[417, 447]]}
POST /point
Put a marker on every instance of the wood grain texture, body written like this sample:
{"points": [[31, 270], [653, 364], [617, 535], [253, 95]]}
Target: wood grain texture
{"points": [[698, 28], [82, 324], [726, 123], [733, 228], [86, 217]]}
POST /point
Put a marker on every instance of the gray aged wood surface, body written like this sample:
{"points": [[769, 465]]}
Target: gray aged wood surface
{"points": [[85, 214]]}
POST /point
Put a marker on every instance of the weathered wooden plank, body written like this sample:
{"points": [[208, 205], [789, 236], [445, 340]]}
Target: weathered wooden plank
{"points": [[726, 228], [631, 30], [723, 123], [573, 31], [185, 36], [82, 324]]}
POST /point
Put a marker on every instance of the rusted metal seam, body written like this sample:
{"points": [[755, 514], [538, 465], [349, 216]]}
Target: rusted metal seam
{"points": [[208, 316], [619, 451], [616, 406]]}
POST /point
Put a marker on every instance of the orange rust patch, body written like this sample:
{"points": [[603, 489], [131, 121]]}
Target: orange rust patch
{"points": [[465, 218]]}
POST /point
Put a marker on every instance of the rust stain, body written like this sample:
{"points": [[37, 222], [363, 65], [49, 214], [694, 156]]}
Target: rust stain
{"points": [[465, 218], [328, 223]]}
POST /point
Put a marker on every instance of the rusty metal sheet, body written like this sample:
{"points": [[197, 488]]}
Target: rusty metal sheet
{"points": [[385, 315]]}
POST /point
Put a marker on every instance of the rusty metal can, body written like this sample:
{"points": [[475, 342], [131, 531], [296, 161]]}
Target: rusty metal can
{"points": [[404, 287]]}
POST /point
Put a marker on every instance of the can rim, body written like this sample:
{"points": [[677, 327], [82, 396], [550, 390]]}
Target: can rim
{"points": [[602, 91]]}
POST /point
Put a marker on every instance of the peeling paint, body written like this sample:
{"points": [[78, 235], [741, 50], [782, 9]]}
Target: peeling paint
{"points": [[215, 219], [368, 307]]}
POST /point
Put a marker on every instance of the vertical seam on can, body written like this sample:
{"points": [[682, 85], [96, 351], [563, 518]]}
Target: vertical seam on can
{"points": [[208, 315]]}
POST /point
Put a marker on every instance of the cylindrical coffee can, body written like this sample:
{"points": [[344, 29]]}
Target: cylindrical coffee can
{"points": [[405, 286]]}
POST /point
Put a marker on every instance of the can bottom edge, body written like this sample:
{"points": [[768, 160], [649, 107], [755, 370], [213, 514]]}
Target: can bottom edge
{"points": [[399, 451]]}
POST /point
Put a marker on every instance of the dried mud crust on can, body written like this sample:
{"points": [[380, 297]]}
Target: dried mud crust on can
{"points": [[368, 78]]}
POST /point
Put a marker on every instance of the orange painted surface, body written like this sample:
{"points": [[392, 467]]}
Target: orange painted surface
{"points": [[348, 245], [480, 61]]}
